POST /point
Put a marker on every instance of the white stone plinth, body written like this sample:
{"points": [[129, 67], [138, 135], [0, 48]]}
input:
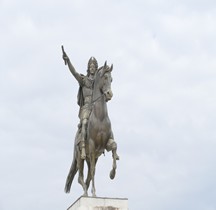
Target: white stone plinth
{"points": [[97, 203]]}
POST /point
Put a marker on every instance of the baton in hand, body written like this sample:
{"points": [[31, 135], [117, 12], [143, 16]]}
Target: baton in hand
{"points": [[64, 54]]}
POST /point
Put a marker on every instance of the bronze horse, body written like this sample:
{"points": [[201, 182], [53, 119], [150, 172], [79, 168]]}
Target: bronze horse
{"points": [[99, 134]]}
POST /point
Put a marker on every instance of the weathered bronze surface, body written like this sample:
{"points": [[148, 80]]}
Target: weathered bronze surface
{"points": [[94, 133]]}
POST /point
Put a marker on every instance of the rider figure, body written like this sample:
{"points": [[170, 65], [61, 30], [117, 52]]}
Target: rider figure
{"points": [[84, 96]]}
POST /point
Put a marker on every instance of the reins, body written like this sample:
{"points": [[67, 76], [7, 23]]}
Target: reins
{"points": [[97, 98]]}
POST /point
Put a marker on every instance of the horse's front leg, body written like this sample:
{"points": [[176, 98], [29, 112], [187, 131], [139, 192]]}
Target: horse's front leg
{"points": [[111, 145], [114, 166]]}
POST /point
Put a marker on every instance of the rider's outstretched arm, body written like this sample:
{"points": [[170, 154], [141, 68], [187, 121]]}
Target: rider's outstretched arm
{"points": [[71, 67]]}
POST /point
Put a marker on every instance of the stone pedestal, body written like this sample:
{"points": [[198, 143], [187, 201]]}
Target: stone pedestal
{"points": [[90, 203]]}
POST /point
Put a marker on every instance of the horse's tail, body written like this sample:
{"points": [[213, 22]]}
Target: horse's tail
{"points": [[71, 174]]}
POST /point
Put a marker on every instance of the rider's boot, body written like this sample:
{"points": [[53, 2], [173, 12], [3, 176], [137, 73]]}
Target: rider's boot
{"points": [[83, 153], [83, 134]]}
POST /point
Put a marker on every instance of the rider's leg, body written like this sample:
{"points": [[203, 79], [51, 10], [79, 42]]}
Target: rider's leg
{"points": [[83, 137]]}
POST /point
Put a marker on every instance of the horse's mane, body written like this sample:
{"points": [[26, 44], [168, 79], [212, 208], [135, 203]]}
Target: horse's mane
{"points": [[100, 68], [97, 72]]}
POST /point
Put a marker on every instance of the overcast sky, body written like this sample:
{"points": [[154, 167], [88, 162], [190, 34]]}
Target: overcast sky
{"points": [[163, 111]]}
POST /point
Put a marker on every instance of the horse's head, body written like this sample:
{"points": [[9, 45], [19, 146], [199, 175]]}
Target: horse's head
{"points": [[105, 81]]}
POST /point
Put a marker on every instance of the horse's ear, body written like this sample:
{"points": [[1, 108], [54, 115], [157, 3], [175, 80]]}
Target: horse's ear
{"points": [[111, 67], [105, 64]]}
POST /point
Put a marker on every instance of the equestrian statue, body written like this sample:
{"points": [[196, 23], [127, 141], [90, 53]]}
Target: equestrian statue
{"points": [[94, 134]]}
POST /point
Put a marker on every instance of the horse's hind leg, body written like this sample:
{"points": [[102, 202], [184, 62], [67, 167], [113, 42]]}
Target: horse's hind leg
{"points": [[88, 179], [81, 177], [92, 170]]}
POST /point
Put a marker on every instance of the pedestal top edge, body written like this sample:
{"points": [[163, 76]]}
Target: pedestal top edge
{"points": [[90, 197], [102, 198]]}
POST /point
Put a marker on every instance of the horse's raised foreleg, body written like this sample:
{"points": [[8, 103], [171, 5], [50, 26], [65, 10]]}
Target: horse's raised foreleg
{"points": [[113, 147], [113, 171]]}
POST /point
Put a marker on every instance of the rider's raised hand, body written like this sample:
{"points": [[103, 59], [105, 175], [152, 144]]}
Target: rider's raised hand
{"points": [[64, 56]]}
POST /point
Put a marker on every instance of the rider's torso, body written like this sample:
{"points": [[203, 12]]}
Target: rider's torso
{"points": [[87, 90]]}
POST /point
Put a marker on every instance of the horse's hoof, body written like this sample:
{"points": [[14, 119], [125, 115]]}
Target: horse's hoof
{"points": [[112, 174], [85, 194], [94, 195]]}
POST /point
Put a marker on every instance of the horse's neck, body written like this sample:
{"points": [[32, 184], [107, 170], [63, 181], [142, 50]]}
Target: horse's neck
{"points": [[96, 93], [99, 104]]}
